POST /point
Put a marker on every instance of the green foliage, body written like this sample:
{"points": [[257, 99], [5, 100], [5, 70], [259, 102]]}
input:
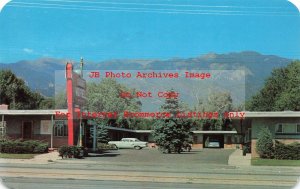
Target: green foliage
{"points": [[219, 102], [281, 91], [173, 133], [23, 147], [287, 151], [16, 94], [144, 124], [102, 134], [72, 152], [105, 97], [61, 100], [264, 144], [216, 102], [47, 103]]}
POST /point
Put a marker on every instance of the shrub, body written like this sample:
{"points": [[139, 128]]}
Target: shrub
{"points": [[41, 148], [72, 151], [264, 144], [23, 147], [287, 151]]}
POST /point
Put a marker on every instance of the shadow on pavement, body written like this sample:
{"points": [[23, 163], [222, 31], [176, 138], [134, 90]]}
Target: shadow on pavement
{"points": [[104, 154]]}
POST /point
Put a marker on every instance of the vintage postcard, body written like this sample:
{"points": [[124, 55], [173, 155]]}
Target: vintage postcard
{"points": [[150, 94]]}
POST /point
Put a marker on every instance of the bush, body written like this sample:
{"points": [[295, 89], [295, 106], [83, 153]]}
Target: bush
{"points": [[287, 151], [23, 147], [72, 151], [264, 144], [41, 148]]}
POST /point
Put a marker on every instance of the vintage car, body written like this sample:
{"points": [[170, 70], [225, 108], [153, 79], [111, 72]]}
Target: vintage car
{"points": [[214, 144], [129, 143]]}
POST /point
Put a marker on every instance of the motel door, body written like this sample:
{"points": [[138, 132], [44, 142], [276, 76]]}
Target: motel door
{"points": [[27, 130]]}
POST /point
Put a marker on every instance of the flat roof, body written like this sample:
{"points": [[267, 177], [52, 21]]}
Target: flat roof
{"points": [[31, 112], [149, 131], [215, 132], [272, 114], [129, 130]]}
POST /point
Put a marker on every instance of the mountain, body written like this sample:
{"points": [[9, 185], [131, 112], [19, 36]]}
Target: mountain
{"points": [[39, 74]]}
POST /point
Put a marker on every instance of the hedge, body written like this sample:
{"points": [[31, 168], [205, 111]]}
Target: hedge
{"points": [[23, 147], [72, 152], [287, 151]]}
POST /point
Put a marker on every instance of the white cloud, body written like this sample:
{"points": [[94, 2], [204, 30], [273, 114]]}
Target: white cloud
{"points": [[27, 50]]}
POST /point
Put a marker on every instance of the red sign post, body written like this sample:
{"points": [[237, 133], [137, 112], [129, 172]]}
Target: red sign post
{"points": [[76, 89]]}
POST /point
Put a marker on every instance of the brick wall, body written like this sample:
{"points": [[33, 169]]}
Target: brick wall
{"points": [[230, 146], [253, 149], [197, 146]]}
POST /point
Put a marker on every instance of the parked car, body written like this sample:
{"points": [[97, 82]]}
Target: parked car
{"points": [[213, 144], [129, 143]]}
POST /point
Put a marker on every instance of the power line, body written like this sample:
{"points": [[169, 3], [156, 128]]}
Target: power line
{"points": [[145, 10], [160, 4]]}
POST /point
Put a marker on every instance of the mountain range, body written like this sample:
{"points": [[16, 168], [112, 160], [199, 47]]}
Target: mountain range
{"points": [[39, 74]]}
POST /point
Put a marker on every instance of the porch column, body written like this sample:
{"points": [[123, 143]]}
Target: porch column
{"points": [[52, 127]]}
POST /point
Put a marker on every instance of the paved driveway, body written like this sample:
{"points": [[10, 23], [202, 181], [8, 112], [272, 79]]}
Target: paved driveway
{"points": [[203, 156]]}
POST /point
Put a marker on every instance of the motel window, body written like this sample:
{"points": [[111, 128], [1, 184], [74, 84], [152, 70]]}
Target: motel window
{"points": [[60, 128], [279, 128], [288, 128]]}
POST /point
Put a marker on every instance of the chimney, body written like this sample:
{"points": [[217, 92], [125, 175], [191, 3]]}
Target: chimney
{"points": [[3, 107]]}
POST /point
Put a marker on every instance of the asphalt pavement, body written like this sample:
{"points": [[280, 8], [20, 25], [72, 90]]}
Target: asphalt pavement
{"points": [[205, 168], [29, 183]]}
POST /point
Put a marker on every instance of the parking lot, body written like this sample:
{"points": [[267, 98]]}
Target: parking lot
{"points": [[144, 156]]}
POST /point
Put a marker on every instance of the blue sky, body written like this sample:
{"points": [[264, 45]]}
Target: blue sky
{"points": [[111, 29]]}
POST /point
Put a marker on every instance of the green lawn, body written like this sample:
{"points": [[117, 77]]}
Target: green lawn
{"points": [[274, 162], [17, 156]]}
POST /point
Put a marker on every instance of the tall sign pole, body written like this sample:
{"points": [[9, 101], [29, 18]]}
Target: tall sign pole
{"points": [[76, 97], [69, 77]]}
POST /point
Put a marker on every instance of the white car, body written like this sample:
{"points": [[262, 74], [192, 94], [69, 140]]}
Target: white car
{"points": [[129, 143], [213, 144]]}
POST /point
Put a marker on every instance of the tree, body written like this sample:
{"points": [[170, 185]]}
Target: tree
{"points": [[173, 133], [281, 91], [61, 100], [16, 94], [47, 103], [105, 97], [220, 102], [102, 134], [264, 144]]}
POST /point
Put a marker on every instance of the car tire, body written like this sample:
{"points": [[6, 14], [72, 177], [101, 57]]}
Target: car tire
{"points": [[137, 147]]}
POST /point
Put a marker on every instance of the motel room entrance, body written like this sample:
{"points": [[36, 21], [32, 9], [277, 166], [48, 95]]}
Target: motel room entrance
{"points": [[27, 130]]}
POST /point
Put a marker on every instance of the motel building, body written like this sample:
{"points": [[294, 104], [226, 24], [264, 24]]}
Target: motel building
{"points": [[43, 125]]}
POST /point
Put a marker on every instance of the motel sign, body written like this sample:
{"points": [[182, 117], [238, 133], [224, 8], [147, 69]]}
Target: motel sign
{"points": [[76, 98]]}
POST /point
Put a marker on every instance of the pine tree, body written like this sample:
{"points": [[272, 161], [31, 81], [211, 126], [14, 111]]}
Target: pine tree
{"points": [[264, 144], [102, 134], [173, 133]]}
